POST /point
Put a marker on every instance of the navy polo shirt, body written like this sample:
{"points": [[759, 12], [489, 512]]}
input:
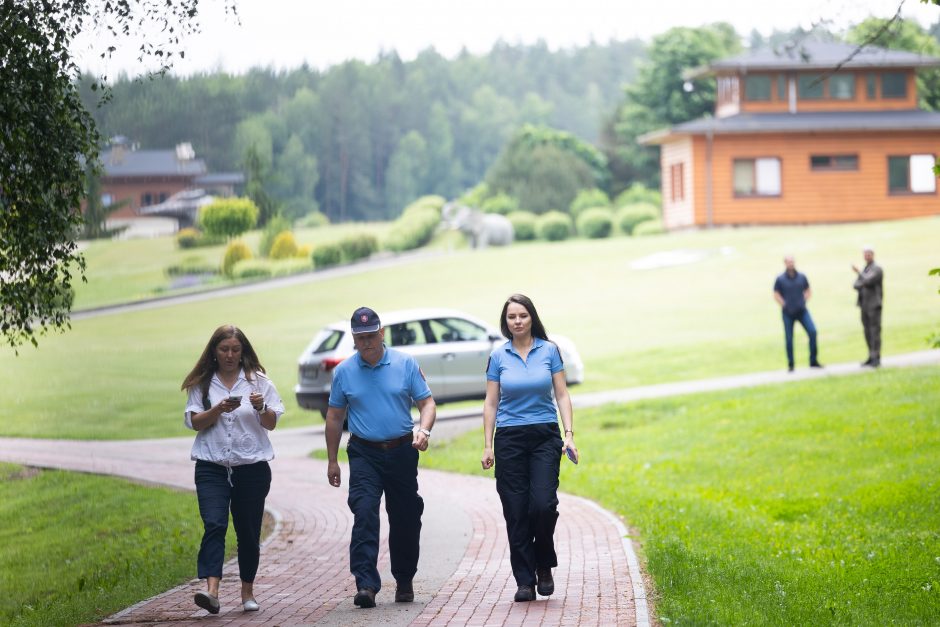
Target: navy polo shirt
{"points": [[792, 288], [378, 398], [525, 387]]}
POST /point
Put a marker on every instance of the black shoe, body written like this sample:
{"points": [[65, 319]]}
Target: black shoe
{"points": [[404, 592], [546, 585], [875, 363], [867, 362], [365, 598], [789, 368], [207, 602], [525, 593], [815, 364]]}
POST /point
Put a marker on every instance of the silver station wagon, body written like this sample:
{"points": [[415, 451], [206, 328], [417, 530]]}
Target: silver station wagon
{"points": [[451, 347]]}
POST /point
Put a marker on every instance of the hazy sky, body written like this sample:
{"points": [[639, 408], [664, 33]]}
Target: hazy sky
{"points": [[286, 33]]}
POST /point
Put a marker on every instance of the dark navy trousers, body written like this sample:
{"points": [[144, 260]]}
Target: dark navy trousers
{"points": [[395, 472], [527, 465], [245, 498], [806, 320]]}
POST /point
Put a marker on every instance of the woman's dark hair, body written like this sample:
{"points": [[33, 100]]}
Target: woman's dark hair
{"points": [[538, 330], [206, 366]]}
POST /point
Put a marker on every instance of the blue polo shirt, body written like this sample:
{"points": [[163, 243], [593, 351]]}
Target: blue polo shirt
{"points": [[792, 288], [378, 398], [525, 387]]}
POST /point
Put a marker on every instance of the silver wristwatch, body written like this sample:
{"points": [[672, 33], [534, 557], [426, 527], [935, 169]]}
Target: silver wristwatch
{"points": [[426, 432]]}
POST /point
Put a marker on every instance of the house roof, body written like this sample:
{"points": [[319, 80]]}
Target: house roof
{"points": [[828, 121], [220, 178], [124, 162], [816, 55]]}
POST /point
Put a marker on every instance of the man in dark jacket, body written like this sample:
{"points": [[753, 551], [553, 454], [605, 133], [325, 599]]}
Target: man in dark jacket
{"points": [[791, 291], [870, 296]]}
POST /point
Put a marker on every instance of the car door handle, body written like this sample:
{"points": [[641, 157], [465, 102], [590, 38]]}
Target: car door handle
{"points": [[449, 356]]}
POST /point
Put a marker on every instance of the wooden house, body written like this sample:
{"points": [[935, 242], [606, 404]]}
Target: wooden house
{"points": [[820, 133]]}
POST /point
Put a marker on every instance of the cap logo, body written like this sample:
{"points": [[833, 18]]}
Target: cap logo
{"points": [[363, 318]]}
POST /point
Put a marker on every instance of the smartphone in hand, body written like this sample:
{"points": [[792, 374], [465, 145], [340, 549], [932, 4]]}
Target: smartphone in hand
{"points": [[235, 398], [571, 455]]}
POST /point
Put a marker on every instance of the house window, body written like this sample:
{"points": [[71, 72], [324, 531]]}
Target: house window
{"points": [[757, 87], [912, 174], [757, 177], [810, 86], [146, 199], [871, 86], [833, 162], [893, 85], [677, 182], [781, 87], [842, 86]]}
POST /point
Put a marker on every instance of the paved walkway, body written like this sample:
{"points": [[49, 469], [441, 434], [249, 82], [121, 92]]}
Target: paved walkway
{"points": [[464, 576]]}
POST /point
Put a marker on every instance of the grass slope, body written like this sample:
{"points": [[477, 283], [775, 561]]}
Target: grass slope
{"points": [[118, 376], [812, 503]]}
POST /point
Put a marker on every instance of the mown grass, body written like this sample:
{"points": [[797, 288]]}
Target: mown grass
{"points": [[118, 376], [77, 548], [811, 503]]}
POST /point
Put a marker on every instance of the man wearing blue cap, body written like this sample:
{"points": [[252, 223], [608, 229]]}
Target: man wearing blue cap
{"points": [[376, 388]]}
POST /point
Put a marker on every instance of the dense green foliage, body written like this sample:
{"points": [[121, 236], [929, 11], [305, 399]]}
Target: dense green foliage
{"points": [[588, 199], [414, 228], [228, 217], [649, 227], [284, 247], [554, 226], [809, 503], [274, 227], [523, 225], [360, 140], [358, 246], [237, 250], [595, 223], [629, 216], [326, 255], [500, 203], [637, 193]]}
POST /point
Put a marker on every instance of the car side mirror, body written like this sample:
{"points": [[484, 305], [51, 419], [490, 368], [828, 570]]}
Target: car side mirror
{"points": [[495, 338]]}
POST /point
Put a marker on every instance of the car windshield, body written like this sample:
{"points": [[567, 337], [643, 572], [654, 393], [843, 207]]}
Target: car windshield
{"points": [[456, 330], [327, 340]]}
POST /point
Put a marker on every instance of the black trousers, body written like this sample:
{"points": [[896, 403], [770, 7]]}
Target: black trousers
{"points": [[393, 472], [871, 324], [245, 497], [527, 465]]}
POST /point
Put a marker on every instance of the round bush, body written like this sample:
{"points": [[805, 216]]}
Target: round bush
{"points": [[358, 246], [500, 203], [588, 199], [275, 226], [236, 251], [228, 217], [284, 247], [650, 227], [326, 255], [595, 223], [523, 225], [638, 193], [303, 252], [413, 229], [554, 226], [631, 215], [187, 238]]}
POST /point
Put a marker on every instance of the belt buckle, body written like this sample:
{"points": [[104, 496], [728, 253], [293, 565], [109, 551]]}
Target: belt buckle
{"points": [[385, 445]]}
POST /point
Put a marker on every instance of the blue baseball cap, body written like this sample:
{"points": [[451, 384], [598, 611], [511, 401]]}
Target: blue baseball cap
{"points": [[365, 320]]}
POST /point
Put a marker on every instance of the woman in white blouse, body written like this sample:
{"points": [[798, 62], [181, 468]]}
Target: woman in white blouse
{"points": [[232, 405]]}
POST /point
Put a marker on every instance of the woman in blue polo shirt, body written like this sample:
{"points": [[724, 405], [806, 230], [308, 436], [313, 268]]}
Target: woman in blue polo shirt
{"points": [[525, 377]]}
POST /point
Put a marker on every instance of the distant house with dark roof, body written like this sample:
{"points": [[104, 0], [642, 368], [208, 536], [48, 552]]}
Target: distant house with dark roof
{"points": [[145, 178], [823, 132]]}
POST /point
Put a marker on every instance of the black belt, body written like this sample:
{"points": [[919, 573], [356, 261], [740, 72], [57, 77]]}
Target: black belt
{"points": [[384, 444]]}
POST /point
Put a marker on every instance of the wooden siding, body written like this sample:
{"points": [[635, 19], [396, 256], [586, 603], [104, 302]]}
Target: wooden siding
{"points": [[678, 213], [810, 196], [132, 190]]}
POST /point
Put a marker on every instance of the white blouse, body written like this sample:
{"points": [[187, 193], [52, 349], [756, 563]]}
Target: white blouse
{"points": [[238, 437]]}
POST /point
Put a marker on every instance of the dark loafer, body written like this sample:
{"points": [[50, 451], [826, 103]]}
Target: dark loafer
{"points": [[365, 598], [404, 592], [207, 602], [546, 585], [525, 593]]}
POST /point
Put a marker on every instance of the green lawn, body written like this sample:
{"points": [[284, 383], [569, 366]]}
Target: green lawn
{"points": [[811, 503], [77, 548], [118, 376]]}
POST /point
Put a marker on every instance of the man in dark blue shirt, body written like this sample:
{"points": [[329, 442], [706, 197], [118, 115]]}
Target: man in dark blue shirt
{"points": [[791, 291]]}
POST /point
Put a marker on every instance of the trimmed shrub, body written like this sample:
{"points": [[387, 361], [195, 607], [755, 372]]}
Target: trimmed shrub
{"points": [[474, 197], [358, 246], [284, 247], [500, 203], [275, 226], [430, 201], [523, 225], [191, 265], [303, 252], [252, 269], [595, 223], [188, 238], [326, 255], [554, 226], [631, 215], [413, 229], [313, 219], [638, 193], [650, 227], [228, 217], [588, 199], [235, 251]]}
